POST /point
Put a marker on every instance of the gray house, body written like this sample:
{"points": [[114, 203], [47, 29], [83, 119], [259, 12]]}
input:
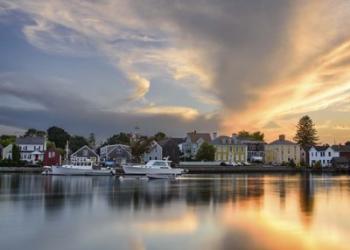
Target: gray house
{"points": [[85, 155], [116, 154]]}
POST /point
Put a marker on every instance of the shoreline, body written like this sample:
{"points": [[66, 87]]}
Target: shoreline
{"points": [[207, 169]]}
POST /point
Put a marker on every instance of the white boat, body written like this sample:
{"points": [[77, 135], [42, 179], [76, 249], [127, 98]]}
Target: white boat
{"points": [[153, 167], [82, 169]]}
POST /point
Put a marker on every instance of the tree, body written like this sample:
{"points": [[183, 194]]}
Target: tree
{"points": [[206, 152], [254, 136], [120, 138], [16, 154], [92, 140], [7, 139], [138, 148], [306, 134], [34, 132], [58, 136], [159, 136], [76, 142]]}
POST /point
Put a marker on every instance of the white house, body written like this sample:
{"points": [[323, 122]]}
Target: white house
{"points": [[32, 149], [7, 152], [84, 155], [154, 152], [193, 142], [322, 154]]}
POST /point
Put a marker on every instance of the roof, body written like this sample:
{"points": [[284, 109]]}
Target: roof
{"points": [[177, 140], [30, 140], [282, 142], [194, 136], [85, 147], [248, 140], [341, 148], [222, 139], [321, 148]]}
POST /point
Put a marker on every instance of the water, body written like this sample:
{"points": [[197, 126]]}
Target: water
{"points": [[194, 212]]}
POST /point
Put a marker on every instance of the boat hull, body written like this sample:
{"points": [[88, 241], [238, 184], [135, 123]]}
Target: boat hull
{"points": [[57, 170], [132, 170]]}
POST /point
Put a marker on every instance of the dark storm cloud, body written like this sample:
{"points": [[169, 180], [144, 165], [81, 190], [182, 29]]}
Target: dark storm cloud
{"points": [[63, 108]]}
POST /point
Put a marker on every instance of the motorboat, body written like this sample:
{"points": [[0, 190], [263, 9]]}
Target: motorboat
{"points": [[160, 167], [77, 169]]}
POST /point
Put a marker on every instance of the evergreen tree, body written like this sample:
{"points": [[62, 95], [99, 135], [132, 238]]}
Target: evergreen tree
{"points": [[16, 154], [306, 133], [206, 152]]}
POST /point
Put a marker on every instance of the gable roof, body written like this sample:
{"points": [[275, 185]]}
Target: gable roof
{"points": [[87, 148], [177, 140], [222, 139], [341, 148], [320, 148], [194, 136], [30, 140], [282, 142]]}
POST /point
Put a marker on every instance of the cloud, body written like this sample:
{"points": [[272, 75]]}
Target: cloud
{"points": [[82, 115], [258, 63], [183, 112]]}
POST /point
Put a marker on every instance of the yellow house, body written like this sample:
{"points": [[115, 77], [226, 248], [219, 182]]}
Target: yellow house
{"points": [[228, 151], [282, 151]]}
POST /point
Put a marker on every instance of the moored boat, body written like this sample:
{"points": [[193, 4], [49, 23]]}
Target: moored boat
{"points": [[161, 167], [83, 169]]}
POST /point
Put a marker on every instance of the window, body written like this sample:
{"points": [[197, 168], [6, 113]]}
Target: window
{"points": [[329, 153]]}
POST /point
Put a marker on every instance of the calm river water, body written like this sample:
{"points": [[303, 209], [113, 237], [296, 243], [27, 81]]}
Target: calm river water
{"points": [[195, 212]]}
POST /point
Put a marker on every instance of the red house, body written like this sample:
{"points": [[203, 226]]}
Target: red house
{"points": [[52, 157]]}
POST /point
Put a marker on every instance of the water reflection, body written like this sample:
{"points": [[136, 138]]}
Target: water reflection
{"points": [[194, 212]]}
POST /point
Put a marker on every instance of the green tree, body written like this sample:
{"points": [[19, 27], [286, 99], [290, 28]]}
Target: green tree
{"points": [[139, 147], [16, 154], [34, 132], [306, 134], [58, 136], [159, 136], [206, 152], [121, 138], [7, 140], [76, 142], [255, 135]]}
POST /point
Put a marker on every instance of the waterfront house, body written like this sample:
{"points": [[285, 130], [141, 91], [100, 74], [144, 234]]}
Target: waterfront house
{"points": [[52, 157], [84, 155], [32, 148], [282, 151], [255, 148], [229, 150], [171, 149], [154, 152], [1, 147], [7, 152], [116, 154], [344, 150], [193, 142], [323, 155], [304, 155]]}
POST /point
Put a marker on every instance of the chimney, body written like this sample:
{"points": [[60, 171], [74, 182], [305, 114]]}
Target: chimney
{"points": [[215, 134], [195, 132], [282, 137]]}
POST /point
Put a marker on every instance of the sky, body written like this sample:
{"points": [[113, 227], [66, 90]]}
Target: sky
{"points": [[161, 65]]}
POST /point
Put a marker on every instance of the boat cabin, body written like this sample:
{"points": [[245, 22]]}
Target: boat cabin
{"points": [[158, 164]]}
